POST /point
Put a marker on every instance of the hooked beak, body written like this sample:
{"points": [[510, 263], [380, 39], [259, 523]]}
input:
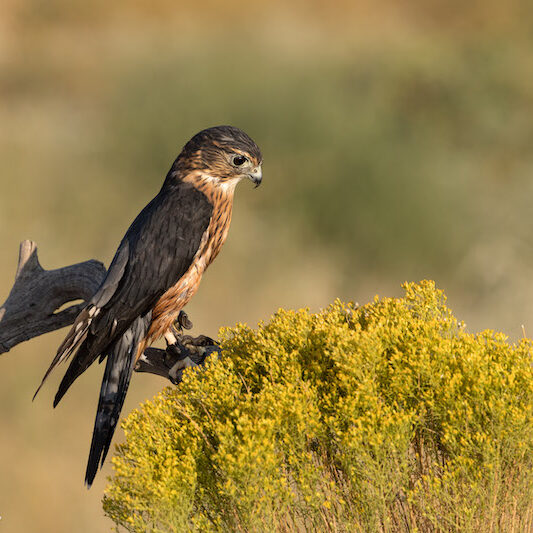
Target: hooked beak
{"points": [[256, 175]]}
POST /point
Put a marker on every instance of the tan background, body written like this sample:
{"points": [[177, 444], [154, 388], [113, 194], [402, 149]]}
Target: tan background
{"points": [[397, 141]]}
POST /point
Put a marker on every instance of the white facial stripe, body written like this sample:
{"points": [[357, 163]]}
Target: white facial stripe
{"points": [[229, 185], [209, 179], [225, 185]]}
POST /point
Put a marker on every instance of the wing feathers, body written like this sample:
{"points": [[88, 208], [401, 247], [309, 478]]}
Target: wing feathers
{"points": [[83, 360], [84, 321], [114, 275], [76, 336]]}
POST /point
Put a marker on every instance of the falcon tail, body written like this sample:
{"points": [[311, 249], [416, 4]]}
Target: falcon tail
{"points": [[117, 375]]}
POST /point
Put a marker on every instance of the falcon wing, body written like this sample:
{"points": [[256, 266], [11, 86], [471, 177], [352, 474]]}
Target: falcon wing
{"points": [[156, 251]]}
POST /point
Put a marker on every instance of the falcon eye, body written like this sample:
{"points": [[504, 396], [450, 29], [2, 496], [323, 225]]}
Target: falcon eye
{"points": [[239, 160]]}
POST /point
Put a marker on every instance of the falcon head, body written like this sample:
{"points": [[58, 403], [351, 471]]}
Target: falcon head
{"points": [[221, 156]]}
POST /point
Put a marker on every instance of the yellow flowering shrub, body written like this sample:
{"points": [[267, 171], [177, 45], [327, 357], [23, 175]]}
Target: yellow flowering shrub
{"points": [[385, 417]]}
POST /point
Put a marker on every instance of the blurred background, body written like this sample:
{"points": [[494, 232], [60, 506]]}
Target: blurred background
{"points": [[397, 146]]}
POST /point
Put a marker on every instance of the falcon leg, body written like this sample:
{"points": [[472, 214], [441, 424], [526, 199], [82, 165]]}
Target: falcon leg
{"points": [[170, 338], [173, 350], [174, 334]]}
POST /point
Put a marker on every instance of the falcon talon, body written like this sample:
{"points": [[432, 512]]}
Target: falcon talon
{"points": [[204, 340], [187, 362], [186, 339], [176, 379], [180, 366], [183, 321], [174, 352]]}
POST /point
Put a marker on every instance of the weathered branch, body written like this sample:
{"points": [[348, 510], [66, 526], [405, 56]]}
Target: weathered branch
{"points": [[31, 309]]}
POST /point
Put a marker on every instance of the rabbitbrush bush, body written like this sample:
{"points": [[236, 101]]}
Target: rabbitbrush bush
{"points": [[386, 417]]}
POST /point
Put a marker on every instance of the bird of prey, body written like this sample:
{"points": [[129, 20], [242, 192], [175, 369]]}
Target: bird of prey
{"points": [[156, 270]]}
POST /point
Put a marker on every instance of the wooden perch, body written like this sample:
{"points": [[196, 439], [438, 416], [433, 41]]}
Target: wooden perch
{"points": [[31, 309]]}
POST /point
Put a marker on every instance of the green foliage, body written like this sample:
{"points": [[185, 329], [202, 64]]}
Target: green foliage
{"points": [[386, 417]]}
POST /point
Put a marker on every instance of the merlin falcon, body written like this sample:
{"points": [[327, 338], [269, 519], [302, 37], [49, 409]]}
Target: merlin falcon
{"points": [[156, 271]]}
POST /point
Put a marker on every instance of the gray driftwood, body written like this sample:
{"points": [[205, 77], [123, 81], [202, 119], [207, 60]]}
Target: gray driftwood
{"points": [[33, 308]]}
